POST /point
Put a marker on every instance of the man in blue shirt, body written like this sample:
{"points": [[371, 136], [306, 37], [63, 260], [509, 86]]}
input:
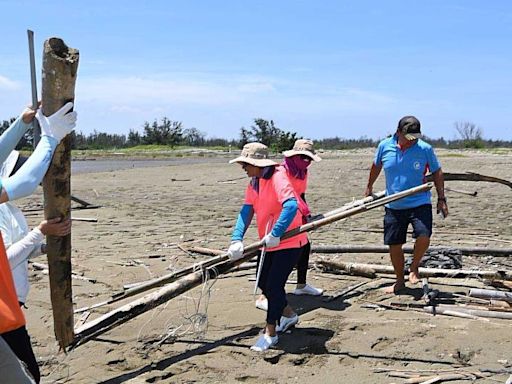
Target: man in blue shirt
{"points": [[406, 159]]}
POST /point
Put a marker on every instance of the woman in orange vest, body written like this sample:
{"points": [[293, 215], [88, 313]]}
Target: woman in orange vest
{"points": [[271, 197]]}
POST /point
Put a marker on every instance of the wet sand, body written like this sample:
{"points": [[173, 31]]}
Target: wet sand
{"points": [[204, 336]]}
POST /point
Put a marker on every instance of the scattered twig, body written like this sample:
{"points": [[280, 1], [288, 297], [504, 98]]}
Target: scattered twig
{"points": [[344, 291], [87, 219]]}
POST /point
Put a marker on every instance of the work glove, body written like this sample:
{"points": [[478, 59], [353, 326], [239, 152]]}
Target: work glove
{"points": [[236, 250], [271, 241], [58, 125]]}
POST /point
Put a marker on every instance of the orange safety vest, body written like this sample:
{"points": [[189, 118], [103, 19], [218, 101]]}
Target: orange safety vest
{"points": [[11, 315]]}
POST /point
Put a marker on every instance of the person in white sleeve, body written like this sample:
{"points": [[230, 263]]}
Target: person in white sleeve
{"points": [[20, 243], [53, 129]]}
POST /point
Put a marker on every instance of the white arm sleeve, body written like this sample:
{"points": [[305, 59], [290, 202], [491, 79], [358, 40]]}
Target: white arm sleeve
{"points": [[23, 249]]}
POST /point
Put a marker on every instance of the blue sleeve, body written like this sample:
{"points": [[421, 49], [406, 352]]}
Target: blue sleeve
{"points": [[28, 177], [285, 218], [11, 137], [433, 163], [242, 222], [378, 154]]}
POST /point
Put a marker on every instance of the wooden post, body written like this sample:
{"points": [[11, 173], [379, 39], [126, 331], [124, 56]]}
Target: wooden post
{"points": [[60, 64]]}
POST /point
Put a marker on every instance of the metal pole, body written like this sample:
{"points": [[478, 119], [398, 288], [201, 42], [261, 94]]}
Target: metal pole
{"points": [[33, 80]]}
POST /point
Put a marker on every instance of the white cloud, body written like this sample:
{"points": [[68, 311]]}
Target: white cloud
{"points": [[8, 84]]}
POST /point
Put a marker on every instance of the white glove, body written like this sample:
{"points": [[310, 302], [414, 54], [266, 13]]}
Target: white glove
{"points": [[236, 250], [58, 125], [271, 241]]}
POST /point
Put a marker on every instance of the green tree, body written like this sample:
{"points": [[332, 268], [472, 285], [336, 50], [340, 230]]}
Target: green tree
{"points": [[133, 138], [168, 132], [193, 137], [266, 132]]}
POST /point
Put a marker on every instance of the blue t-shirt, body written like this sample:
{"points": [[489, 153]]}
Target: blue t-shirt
{"points": [[406, 169]]}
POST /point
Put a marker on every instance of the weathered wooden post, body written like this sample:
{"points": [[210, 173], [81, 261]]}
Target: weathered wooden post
{"points": [[60, 65]]}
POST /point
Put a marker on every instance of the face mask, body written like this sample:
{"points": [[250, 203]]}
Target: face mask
{"points": [[297, 166]]}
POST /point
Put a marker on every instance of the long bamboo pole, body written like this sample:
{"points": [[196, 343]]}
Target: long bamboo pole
{"points": [[60, 65], [210, 269]]}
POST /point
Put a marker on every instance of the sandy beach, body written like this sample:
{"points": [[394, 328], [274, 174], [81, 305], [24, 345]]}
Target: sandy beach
{"points": [[149, 214]]}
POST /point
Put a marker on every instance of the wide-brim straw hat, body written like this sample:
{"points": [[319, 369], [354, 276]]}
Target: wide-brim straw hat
{"points": [[303, 147], [255, 154]]}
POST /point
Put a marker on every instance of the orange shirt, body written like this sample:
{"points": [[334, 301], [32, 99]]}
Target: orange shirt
{"points": [[11, 316], [268, 203]]}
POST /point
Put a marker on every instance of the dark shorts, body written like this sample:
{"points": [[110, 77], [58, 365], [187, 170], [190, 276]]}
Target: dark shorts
{"points": [[396, 222]]}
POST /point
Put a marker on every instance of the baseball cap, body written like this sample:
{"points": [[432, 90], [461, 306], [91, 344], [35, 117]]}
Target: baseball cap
{"points": [[410, 126]]}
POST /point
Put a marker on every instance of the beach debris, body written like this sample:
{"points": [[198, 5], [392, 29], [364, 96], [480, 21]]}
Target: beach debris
{"points": [[188, 278], [429, 294], [471, 176], [44, 269], [370, 270], [344, 291], [474, 251], [491, 294], [86, 219], [423, 376], [447, 258], [461, 192]]}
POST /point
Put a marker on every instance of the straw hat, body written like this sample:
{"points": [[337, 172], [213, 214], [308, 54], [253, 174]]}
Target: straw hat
{"points": [[255, 154], [303, 147], [8, 165]]}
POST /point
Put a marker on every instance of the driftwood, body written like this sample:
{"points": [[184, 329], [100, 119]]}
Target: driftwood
{"points": [[440, 378], [86, 219], [451, 312], [344, 291], [441, 308], [369, 270], [60, 65], [491, 294], [461, 192], [211, 268], [471, 176], [496, 252]]}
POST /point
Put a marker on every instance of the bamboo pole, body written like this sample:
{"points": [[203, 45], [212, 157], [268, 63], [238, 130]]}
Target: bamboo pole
{"points": [[60, 65], [211, 268], [491, 294], [496, 252], [469, 311], [366, 270]]}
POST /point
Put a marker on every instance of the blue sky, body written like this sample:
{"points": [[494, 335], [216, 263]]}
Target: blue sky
{"points": [[320, 68]]}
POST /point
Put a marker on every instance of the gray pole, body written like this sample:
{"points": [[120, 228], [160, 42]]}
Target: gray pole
{"points": [[33, 80]]}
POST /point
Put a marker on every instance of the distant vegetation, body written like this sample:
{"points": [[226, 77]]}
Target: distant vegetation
{"points": [[167, 132]]}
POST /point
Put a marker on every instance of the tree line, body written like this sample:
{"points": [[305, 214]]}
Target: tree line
{"points": [[172, 133]]}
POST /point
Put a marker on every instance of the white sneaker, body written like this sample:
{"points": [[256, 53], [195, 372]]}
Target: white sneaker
{"points": [[286, 323], [308, 290], [264, 342], [262, 304]]}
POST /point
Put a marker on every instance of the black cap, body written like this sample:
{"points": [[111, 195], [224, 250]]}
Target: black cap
{"points": [[410, 126]]}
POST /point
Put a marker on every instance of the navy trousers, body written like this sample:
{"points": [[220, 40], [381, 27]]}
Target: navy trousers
{"points": [[276, 268]]}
